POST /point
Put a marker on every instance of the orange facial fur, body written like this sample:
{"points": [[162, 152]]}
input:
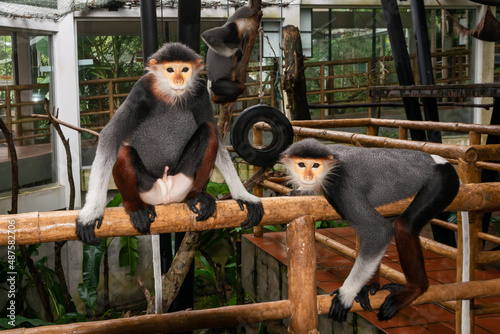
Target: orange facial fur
{"points": [[308, 174], [175, 78]]}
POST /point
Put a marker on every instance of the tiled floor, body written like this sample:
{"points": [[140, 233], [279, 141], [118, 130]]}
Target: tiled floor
{"points": [[333, 268]]}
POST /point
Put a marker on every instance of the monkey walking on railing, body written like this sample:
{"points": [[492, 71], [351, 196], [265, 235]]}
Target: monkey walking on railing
{"points": [[354, 181]]}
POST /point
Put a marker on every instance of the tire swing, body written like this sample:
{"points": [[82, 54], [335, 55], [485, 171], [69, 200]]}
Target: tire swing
{"points": [[281, 129]]}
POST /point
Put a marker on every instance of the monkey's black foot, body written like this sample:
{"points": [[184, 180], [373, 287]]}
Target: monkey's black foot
{"points": [[390, 306], [254, 215], [363, 299], [338, 311], [207, 205], [142, 218], [85, 231]]}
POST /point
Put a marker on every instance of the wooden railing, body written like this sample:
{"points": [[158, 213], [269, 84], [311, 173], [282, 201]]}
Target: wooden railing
{"points": [[302, 305], [16, 111], [349, 80]]}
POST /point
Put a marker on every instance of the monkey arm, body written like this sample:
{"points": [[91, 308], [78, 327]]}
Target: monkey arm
{"points": [[110, 140], [238, 191]]}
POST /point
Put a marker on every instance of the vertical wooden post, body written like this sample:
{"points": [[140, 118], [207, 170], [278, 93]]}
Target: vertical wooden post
{"points": [[302, 275], [468, 174], [402, 133], [111, 99], [258, 231]]}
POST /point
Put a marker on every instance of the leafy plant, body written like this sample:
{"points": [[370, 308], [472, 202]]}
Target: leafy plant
{"points": [[92, 256]]}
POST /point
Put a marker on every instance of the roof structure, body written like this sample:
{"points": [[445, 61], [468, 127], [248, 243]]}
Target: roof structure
{"points": [[55, 9]]}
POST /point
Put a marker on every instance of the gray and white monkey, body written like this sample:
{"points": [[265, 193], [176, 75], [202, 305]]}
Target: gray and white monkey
{"points": [[224, 54], [354, 181], [173, 143]]}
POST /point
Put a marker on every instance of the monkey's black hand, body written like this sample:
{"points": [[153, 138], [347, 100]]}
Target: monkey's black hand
{"points": [[363, 299], [254, 215], [338, 311], [85, 231], [390, 306], [207, 205], [142, 218]]}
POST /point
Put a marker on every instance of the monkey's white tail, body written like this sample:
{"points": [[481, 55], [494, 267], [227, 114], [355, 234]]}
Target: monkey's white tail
{"points": [[155, 242], [465, 269]]}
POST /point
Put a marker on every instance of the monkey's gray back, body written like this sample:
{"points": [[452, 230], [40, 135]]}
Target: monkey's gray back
{"points": [[382, 175]]}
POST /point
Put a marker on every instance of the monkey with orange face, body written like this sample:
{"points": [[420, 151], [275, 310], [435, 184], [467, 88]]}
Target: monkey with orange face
{"points": [[173, 144], [355, 180]]}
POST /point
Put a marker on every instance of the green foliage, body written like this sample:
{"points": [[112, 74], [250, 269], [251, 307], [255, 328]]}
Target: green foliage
{"points": [[25, 282], [217, 189], [92, 257], [330, 224], [129, 253]]}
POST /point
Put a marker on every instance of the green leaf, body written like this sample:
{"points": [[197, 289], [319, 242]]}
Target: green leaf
{"points": [[232, 301], [4, 322], [129, 253], [92, 256], [115, 202], [88, 295], [217, 189], [271, 228]]}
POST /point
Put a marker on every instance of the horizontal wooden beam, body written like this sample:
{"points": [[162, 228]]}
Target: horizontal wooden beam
{"points": [[35, 227], [469, 90], [175, 322], [436, 293], [467, 153]]}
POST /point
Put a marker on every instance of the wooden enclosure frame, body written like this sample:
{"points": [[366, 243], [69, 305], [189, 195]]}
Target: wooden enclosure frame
{"points": [[301, 212]]}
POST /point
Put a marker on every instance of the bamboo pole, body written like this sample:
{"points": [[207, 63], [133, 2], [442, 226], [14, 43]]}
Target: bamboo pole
{"points": [[35, 227], [302, 275], [396, 123], [467, 153], [175, 322]]}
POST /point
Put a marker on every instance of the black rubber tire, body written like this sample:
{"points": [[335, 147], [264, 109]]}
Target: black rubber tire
{"points": [[280, 126]]}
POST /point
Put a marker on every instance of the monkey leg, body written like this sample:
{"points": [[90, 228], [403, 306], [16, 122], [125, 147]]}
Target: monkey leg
{"points": [[432, 199], [198, 159], [375, 234], [125, 172]]}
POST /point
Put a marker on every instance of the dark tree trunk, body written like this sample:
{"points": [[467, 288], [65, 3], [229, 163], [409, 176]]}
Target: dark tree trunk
{"points": [[294, 81]]}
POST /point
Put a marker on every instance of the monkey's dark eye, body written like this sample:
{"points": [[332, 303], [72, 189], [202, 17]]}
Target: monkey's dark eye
{"points": [[170, 70], [185, 69], [301, 165], [315, 165]]}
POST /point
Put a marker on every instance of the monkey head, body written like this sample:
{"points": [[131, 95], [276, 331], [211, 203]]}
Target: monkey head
{"points": [[308, 165], [175, 68]]}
